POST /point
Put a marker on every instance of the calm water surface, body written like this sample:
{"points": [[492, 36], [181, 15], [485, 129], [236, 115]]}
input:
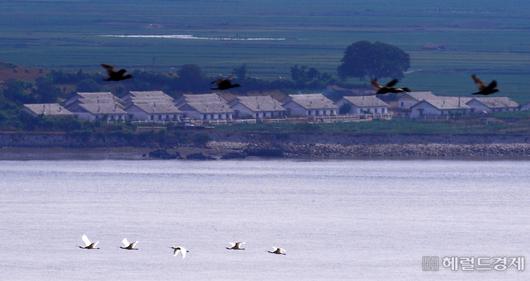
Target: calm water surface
{"points": [[355, 220]]}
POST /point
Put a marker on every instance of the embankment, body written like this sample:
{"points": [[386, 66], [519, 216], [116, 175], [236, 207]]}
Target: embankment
{"points": [[238, 145]]}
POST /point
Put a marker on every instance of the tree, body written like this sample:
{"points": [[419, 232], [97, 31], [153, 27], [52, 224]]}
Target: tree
{"points": [[45, 90], [191, 77], [88, 85], [373, 60], [18, 92]]}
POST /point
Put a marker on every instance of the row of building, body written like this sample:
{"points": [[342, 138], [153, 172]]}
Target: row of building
{"points": [[157, 106]]}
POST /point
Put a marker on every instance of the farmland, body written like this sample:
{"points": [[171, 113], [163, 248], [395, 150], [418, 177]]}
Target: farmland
{"points": [[477, 36]]}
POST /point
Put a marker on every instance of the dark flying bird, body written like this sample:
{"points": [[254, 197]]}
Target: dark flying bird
{"points": [[115, 75], [483, 89], [388, 88], [224, 84]]}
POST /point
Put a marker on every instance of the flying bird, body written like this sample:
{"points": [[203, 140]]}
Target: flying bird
{"points": [[390, 87], [88, 244], [483, 89], [114, 75], [277, 251], [236, 246], [224, 84], [128, 245], [179, 250]]}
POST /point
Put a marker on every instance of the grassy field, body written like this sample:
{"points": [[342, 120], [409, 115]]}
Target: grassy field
{"points": [[481, 36]]}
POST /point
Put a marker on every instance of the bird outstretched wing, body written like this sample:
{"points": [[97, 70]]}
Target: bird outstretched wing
{"points": [[86, 240], [392, 83], [134, 244], [125, 242], [109, 68], [376, 84], [492, 85], [183, 252], [478, 82]]}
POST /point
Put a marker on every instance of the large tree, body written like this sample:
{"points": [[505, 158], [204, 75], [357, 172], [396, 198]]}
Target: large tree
{"points": [[373, 60], [192, 78]]}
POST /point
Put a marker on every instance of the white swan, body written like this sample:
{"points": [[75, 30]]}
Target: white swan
{"points": [[236, 246], [179, 250], [88, 244], [128, 245], [277, 251]]}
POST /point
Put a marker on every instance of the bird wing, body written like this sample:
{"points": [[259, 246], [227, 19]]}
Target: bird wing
{"points": [[125, 242], [133, 245], [392, 83], [183, 252], [492, 85], [478, 82], [86, 240], [121, 71], [109, 68], [232, 244], [175, 251], [95, 244], [376, 84]]}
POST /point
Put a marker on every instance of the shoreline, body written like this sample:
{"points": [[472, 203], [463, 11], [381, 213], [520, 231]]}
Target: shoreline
{"points": [[219, 145], [218, 151]]}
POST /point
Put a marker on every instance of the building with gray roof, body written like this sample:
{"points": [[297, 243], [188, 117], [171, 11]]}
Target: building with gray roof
{"points": [[47, 109], [258, 107], [303, 105], [358, 105], [205, 107]]}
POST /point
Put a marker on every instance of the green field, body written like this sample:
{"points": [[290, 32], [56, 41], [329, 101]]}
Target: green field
{"points": [[488, 37]]}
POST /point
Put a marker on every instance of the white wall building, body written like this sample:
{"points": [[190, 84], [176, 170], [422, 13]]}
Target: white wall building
{"points": [[492, 104], [154, 112], [441, 106], [146, 96], [359, 105], [47, 109], [151, 106], [304, 105], [406, 100], [257, 107], [205, 107], [97, 106]]}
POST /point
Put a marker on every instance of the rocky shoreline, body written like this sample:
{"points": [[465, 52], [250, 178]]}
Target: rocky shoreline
{"points": [[229, 146], [239, 151]]}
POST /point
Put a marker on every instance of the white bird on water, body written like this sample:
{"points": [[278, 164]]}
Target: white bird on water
{"points": [[88, 244], [278, 251], [128, 245], [236, 246], [179, 250]]}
